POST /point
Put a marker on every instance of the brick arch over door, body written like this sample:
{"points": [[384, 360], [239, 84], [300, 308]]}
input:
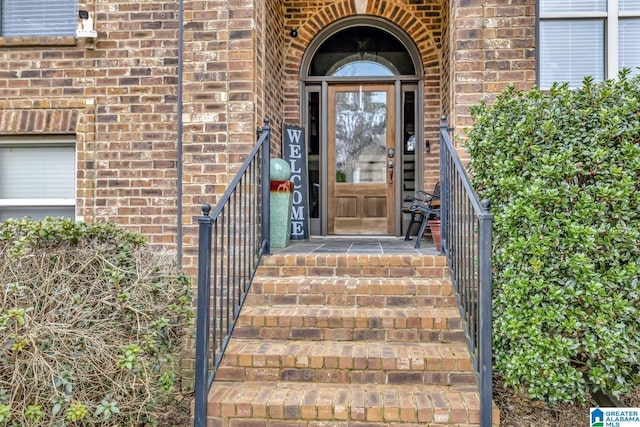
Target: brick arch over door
{"points": [[422, 27]]}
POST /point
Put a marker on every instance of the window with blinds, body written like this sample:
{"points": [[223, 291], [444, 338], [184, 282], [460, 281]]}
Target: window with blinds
{"points": [[37, 178], [570, 50], [629, 43], [579, 38], [38, 17]]}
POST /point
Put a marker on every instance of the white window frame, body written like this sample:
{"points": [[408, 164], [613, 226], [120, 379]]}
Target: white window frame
{"points": [[42, 142], [611, 18]]}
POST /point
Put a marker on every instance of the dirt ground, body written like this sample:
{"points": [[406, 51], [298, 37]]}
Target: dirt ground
{"points": [[178, 414], [515, 410], [519, 411]]}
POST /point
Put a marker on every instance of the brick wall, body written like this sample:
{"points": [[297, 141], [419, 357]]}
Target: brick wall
{"points": [[121, 97], [231, 83], [446, 54], [132, 76], [493, 45], [270, 64], [118, 98], [206, 112]]}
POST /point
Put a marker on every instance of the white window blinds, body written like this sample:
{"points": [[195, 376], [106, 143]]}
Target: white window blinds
{"points": [[629, 45], [563, 6], [39, 17], [37, 180], [629, 5], [37, 172], [571, 50]]}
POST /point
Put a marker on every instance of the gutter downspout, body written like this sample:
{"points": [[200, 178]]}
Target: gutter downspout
{"points": [[180, 130]]}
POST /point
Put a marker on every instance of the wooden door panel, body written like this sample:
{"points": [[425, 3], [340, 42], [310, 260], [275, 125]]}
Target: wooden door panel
{"points": [[346, 207], [360, 226], [361, 206], [375, 207], [360, 186]]}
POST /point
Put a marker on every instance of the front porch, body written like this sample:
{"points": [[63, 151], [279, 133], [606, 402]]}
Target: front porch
{"points": [[358, 245]]}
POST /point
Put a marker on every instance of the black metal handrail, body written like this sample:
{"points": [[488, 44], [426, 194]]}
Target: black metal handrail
{"points": [[232, 241], [466, 226]]}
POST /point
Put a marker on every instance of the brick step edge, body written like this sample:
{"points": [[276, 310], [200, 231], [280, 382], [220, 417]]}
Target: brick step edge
{"points": [[364, 355], [345, 403], [347, 362], [424, 318], [349, 355], [351, 265], [344, 376], [355, 292], [350, 324], [349, 334]]}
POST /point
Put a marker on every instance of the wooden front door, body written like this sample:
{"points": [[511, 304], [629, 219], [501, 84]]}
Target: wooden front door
{"points": [[361, 159]]}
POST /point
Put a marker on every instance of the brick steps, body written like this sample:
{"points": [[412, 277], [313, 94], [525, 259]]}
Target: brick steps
{"points": [[261, 404], [347, 340], [347, 362]]}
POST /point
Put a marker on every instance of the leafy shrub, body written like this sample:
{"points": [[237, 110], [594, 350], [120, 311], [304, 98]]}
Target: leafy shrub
{"points": [[562, 171], [91, 322]]}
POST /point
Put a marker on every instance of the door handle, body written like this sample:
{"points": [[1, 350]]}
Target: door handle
{"points": [[390, 166]]}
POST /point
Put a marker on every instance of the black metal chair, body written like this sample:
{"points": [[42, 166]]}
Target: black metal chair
{"points": [[424, 207]]}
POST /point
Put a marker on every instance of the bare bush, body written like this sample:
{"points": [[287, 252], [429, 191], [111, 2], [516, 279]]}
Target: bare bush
{"points": [[91, 324]]}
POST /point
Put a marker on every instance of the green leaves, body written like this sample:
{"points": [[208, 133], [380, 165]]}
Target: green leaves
{"points": [[77, 412], [562, 171], [5, 413], [129, 357], [24, 235], [106, 409], [34, 413]]}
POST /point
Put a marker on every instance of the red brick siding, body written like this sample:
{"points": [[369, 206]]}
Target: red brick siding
{"points": [[118, 98], [271, 58], [445, 60], [493, 44]]}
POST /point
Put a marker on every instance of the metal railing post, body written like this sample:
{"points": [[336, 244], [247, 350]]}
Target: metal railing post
{"points": [[485, 314], [444, 188], [202, 318], [266, 189]]}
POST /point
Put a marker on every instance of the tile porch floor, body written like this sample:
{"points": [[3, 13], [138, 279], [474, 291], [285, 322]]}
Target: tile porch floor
{"points": [[358, 245]]}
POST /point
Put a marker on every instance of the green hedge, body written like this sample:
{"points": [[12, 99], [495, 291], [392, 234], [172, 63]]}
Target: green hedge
{"points": [[562, 171], [91, 325]]}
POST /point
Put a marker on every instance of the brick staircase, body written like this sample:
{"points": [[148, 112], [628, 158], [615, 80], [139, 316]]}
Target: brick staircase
{"points": [[347, 340]]}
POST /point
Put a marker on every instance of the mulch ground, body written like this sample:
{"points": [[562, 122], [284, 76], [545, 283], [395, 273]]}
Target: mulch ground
{"points": [[519, 411]]}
